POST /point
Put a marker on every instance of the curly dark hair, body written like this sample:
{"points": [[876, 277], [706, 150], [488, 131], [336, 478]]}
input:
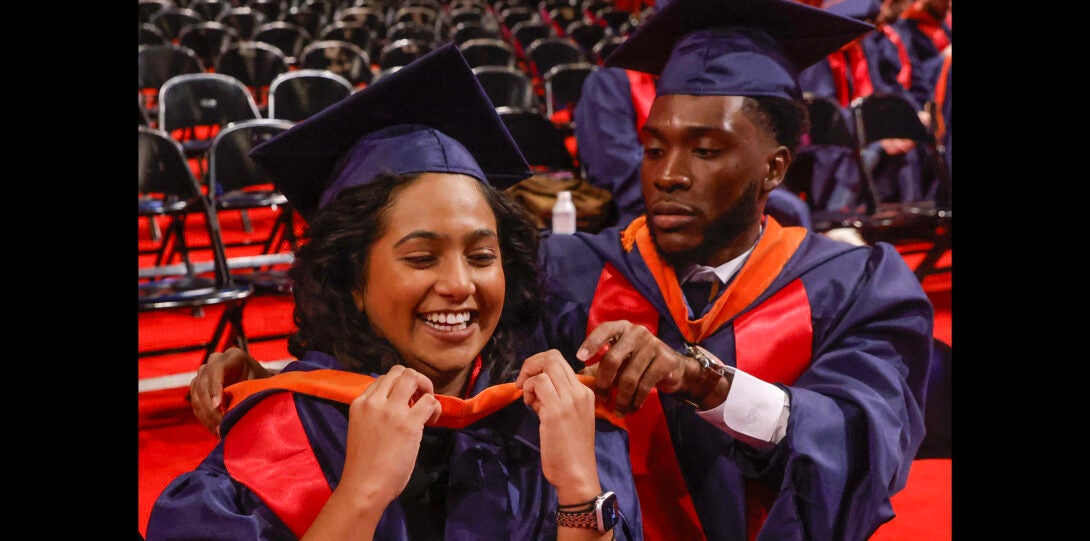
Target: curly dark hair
{"points": [[786, 119], [329, 266]]}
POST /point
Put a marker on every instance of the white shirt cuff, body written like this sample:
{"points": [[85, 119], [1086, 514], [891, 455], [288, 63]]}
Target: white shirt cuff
{"points": [[754, 412]]}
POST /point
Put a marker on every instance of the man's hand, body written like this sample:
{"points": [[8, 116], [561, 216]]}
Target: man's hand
{"points": [[634, 362], [221, 370]]}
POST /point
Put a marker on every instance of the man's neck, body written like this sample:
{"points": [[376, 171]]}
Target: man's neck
{"points": [[740, 245]]}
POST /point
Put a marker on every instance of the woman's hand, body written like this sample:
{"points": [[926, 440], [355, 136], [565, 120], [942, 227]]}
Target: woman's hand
{"points": [[385, 426], [565, 408], [384, 433]]}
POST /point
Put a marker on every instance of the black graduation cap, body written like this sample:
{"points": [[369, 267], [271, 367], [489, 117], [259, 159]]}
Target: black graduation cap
{"points": [[734, 47], [862, 10], [431, 115]]}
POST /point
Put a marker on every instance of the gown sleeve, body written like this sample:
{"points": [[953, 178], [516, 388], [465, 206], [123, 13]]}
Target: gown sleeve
{"points": [[206, 503], [856, 414]]}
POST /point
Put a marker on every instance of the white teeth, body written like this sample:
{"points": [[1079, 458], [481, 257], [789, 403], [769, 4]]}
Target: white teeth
{"points": [[447, 318]]}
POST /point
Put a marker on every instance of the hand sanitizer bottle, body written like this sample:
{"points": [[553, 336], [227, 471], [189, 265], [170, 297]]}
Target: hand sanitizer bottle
{"points": [[563, 214]]}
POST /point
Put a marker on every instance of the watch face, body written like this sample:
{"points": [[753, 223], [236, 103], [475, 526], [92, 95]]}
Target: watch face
{"points": [[608, 512]]}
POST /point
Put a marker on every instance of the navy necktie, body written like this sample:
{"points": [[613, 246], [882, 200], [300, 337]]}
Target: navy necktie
{"points": [[697, 293]]}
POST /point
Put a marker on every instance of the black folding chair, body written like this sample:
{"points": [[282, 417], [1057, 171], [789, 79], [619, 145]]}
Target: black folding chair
{"points": [[194, 107], [169, 189], [235, 183]]}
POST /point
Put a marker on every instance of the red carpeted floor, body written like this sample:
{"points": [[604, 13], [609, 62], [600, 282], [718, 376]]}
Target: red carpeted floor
{"points": [[171, 442]]}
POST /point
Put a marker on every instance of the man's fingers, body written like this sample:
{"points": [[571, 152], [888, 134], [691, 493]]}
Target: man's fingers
{"points": [[606, 333]]}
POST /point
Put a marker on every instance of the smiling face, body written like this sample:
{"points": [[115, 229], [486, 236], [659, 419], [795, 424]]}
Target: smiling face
{"points": [[706, 173], [434, 281]]}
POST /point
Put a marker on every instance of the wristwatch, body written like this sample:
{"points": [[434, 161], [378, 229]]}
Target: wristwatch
{"points": [[601, 513], [711, 371]]}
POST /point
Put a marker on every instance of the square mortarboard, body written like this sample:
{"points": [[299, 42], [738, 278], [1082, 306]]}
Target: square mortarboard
{"points": [[862, 10], [432, 115], [734, 47]]}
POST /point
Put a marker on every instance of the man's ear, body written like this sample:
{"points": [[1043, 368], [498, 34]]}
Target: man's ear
{"points": [[777, 168]]}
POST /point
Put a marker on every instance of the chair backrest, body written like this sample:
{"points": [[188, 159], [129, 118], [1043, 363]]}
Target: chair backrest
{"points": [[587, 35], [230, 166], [326, 7], [387, 71], [162, 166], [210, 10], [150, 35], [606, 46], [619, 21], [540, 140], [372, 18], [244, 19], [341, 57], [829, 123], [274, 10], [290, 38], [145, 9], [172, 20], [402, 52], [527, 32], [255, 64], [885, 116], [564, 85], [412, 30], [488, 52], [353, 32], [889, 116], [548, 52], [208, 39], [466, 31], [465, 15], [507, 87], [310, 19], [513, 15], [204, 99], [423, 15], [158, 63], [298, 94]]}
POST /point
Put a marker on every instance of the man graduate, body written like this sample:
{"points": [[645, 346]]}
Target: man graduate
{"points": [[784, 401]]}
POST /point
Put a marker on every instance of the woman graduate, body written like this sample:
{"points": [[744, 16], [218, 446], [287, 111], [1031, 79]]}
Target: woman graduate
{"points": [[411, 412]]}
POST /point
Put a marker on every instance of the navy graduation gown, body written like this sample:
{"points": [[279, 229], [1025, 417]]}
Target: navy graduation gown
{"points": [[856, 407]]}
